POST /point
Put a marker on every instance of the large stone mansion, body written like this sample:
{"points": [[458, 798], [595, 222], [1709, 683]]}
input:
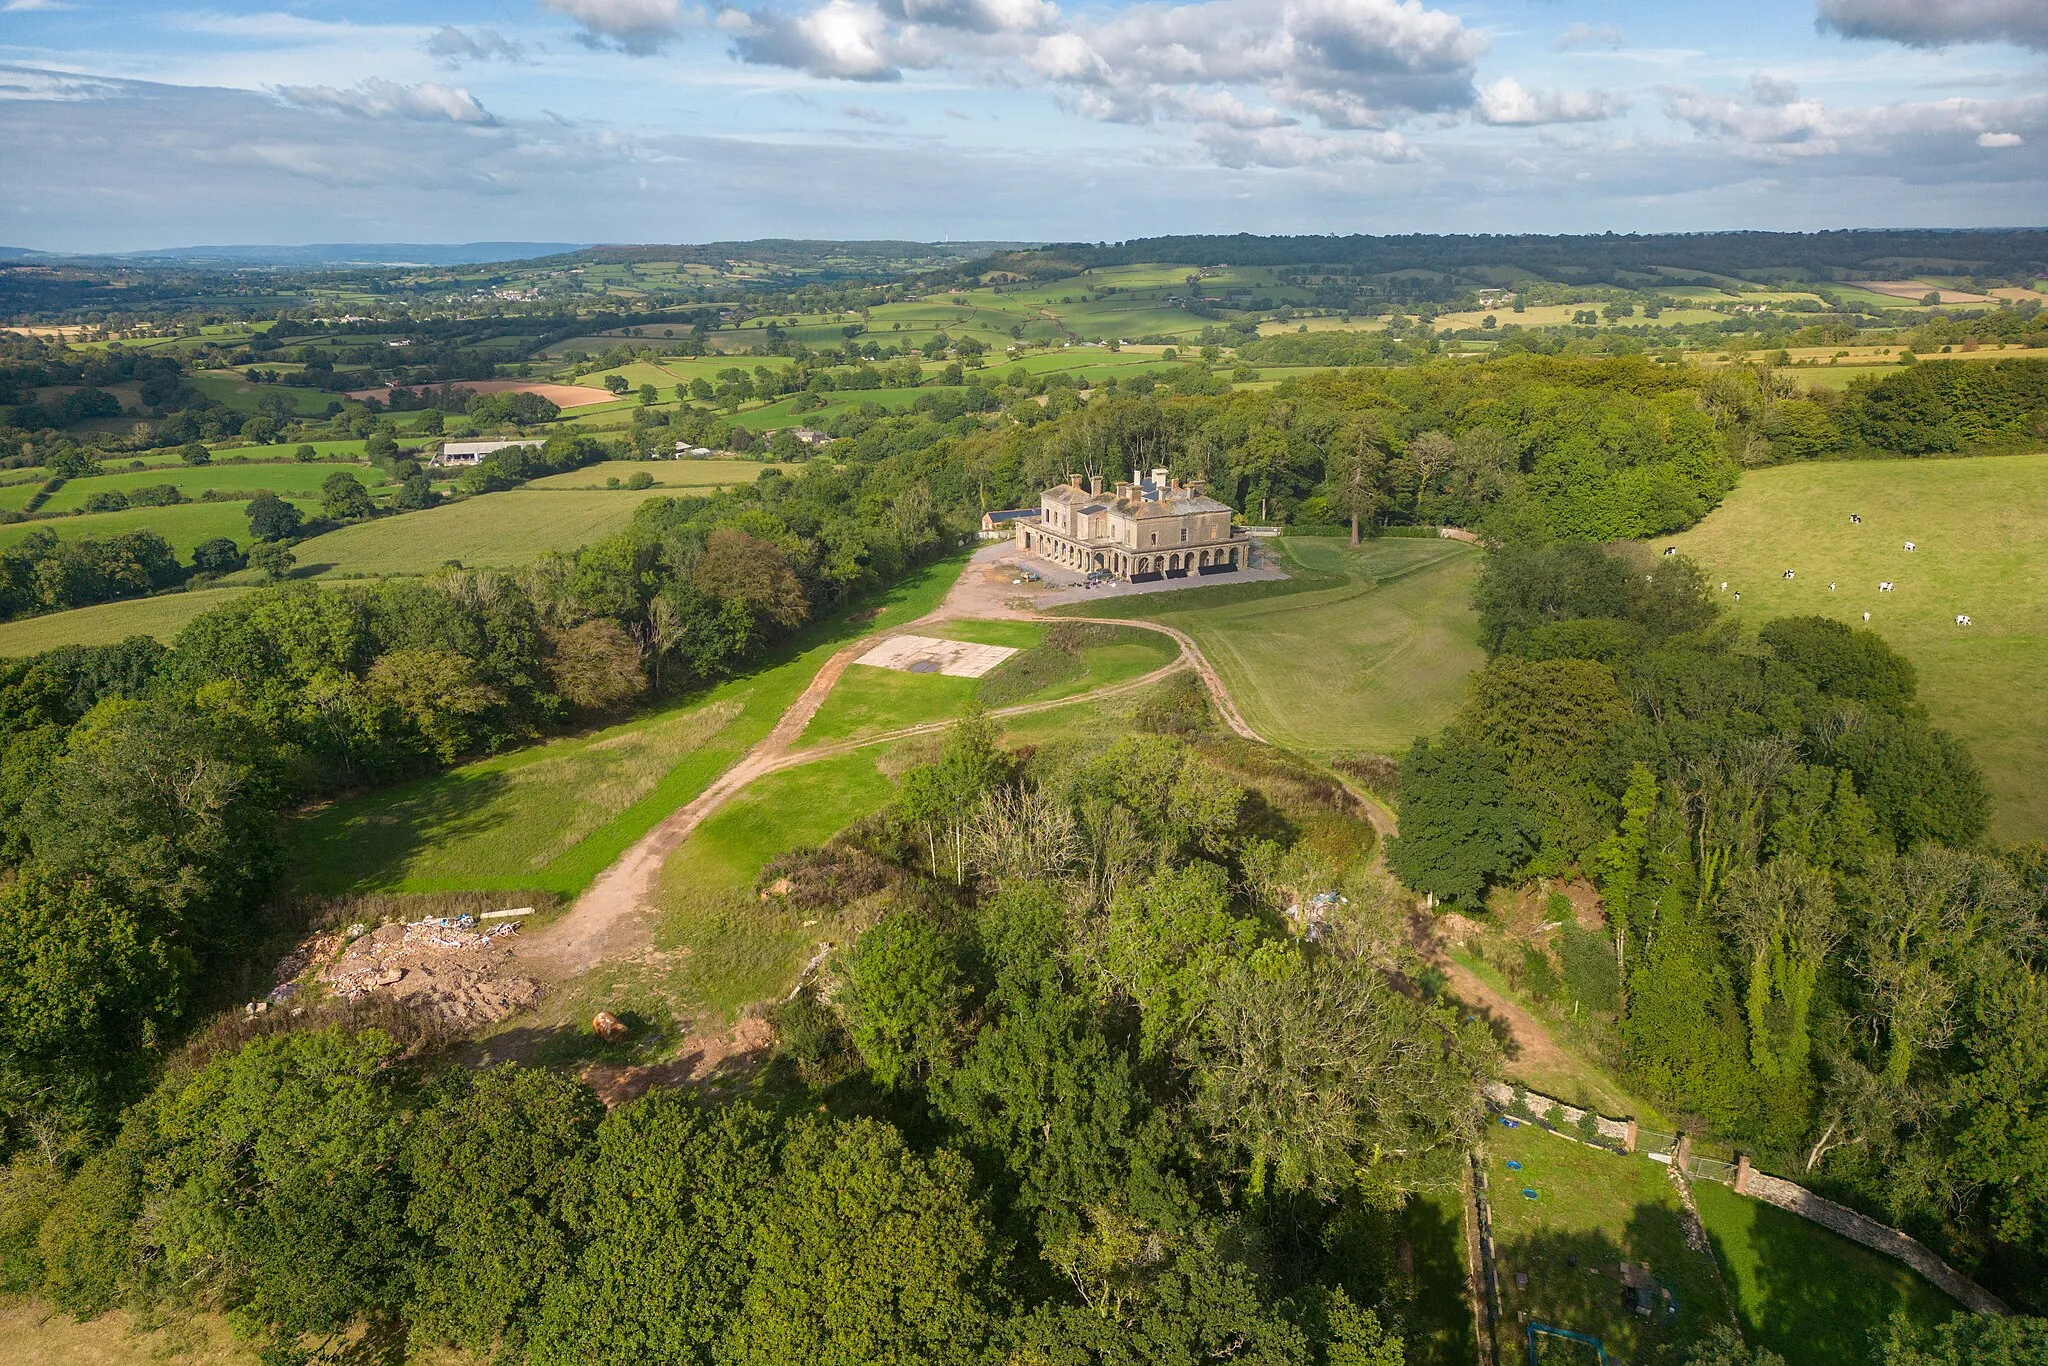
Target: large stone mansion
{"points": [[1147, 529]]}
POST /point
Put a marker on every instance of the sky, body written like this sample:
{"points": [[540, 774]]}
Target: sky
{"points": [[128, 125]]}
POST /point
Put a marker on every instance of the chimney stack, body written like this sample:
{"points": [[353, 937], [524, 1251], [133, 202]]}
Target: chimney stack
{"points": [[1159, 477], [1095, 485]]}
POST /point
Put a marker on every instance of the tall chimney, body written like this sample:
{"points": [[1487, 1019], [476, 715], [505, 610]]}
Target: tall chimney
{"points": [[1095, 485], [1159, 476]]}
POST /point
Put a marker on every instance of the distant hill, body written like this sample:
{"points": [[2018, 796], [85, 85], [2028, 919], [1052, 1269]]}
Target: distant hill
{"points": [[17, 253], [316, 254]]}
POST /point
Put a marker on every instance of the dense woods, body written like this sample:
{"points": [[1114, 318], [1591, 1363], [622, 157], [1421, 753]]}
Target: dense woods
{"points": [[1808, 945]]}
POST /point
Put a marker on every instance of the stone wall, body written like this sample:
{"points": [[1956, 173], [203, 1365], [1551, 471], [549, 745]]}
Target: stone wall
{"points": [[1772, 1190], [1786, 1195], [1561, 1115]]}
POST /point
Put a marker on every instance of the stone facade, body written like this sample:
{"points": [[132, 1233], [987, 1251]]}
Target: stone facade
{"points": [[1149, 528]]}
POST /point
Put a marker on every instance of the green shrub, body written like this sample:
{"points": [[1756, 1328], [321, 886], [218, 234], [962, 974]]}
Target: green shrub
{"points": [[1539, 978], [1589, 971]]}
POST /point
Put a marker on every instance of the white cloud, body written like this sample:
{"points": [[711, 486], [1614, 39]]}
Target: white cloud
{"points": [[840, 40], [1507, 101], [454, 47], [977, 16], [640, 27], [1591, 35], [1798, 128], [1938, 23], [381, 99], [2000, 140], [1772, 90], [867, 114], [32, 6]]}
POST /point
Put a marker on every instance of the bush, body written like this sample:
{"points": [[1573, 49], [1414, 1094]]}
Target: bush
{"points": [[1589, 971], [1375, 772], [194, 454], [1024, 674], [817, 879]]}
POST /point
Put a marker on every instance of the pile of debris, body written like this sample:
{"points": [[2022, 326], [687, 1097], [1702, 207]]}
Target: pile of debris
{"points": [[1311, 918], [447, 966]]}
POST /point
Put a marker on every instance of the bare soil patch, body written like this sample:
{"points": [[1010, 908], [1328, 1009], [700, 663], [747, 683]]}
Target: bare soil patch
{"points": [[561, 395], [704, 1060]]}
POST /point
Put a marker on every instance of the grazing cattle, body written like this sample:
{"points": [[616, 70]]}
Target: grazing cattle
{"points": [[1831, 587], [1738, 597], [1724, 585], [1884, 585], [1788, 574], [1866, 616], [1911, 546], [1854, 520], [1670, 550], [1962, 620]]}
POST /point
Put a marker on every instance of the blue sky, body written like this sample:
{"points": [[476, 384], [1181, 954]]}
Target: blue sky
{"points": [[127, 125]]}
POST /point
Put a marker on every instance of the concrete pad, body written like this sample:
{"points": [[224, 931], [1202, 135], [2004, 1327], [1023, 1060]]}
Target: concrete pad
{"points": [[928, 655]]}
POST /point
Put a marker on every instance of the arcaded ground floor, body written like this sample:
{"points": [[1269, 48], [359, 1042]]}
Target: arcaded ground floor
{"points": [[1135, 566]]}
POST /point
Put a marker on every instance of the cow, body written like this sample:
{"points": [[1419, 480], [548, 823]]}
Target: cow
{"points": [[1911, 547], [1962, 620], [1884, 585]]}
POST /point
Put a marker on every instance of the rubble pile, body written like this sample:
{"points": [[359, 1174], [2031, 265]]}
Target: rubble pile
{"points": [[446, 966]]}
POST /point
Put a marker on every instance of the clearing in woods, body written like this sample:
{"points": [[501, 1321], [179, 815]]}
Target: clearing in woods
{"points": [[108, 623], [1373, 654], [184, 526], [295, 481], [1980, 526], [555, 815]]}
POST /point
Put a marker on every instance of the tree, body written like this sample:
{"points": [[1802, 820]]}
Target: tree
{"points": [[414, 493], [217, 555], [649, 396], [665, 1208], [1318, 1074], [275, 1181], [737, 566], [305, 455], [88, 991], [869, 1256], [1168, 944], [1461, 826], [903, 996], [343, 497], [496, 1169], [1966, 1340], [273, 559], [192, 453], [1355, 471], [271, 518], [595, 665]]}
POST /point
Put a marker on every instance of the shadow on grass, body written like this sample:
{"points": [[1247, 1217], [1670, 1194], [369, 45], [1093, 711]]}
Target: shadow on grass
{"points": [[1813, 1296], [362, 845], [1576, 1280], [1439, 1321]]}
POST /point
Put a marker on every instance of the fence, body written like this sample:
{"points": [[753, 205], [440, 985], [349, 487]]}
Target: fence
{"points": [[1676, 1150]]}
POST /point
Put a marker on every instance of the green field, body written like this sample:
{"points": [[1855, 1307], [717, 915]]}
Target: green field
{"points": [[497, 530], [553, 816], [184, 526], [1593, 1210], [294, 481], [1375, 658], [869, 700], [161, 616], [1981, 526], [1804, 1292], [698, 476], [235, 392]]}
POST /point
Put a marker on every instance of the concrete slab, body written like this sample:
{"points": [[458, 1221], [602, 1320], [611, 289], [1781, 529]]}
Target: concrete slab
{"points": [[928, 655]]}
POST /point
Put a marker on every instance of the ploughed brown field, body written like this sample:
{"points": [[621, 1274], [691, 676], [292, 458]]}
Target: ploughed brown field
{"points": [[561, 395]]}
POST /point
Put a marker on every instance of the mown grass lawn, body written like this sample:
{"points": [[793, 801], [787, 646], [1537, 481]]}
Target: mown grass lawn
{"points": [[1804, 1292], [871, 701], [1593, 1210], [555, 815], [734, 948], [1375, 653], [1981, 528], [698, 476]]}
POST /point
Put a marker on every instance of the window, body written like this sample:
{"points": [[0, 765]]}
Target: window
{"points": [[1155, 538], [1183, 535]]}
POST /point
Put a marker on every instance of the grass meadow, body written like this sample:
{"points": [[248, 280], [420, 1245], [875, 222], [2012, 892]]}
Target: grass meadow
{"points": [[293, 481], [1375, 651], [1804, 1292], [162, 616], [184, 525], [496, 530], [695, 476], [1981, 528], [554, 815]]}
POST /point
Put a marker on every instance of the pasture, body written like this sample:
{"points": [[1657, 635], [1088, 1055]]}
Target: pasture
{"points": [[162, 616], [294, 481], [493, 530], [184, 525], [1981, 528], [697, 476], [1375, 651]]}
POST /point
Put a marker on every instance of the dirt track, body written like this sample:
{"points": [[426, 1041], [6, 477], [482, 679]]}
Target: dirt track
{"points": [[608, 920]]}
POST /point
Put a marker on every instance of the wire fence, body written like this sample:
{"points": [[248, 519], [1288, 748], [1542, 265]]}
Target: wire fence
{"points": [[1713, 1169]]}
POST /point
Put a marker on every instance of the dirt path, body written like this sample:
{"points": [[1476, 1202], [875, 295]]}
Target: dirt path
{"points": [[607, 921]]}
